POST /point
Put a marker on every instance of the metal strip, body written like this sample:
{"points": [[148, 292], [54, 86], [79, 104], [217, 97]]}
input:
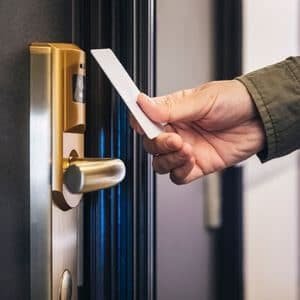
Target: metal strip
{"points": [[229, 248], [151, 197], [135, 159], [212, 185], [40, 173]]}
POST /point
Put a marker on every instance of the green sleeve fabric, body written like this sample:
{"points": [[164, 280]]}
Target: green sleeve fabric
{"points": [[276, 92]]}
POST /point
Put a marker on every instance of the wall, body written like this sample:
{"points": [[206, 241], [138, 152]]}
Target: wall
{"points": [[271, 210], [20, 24], [184, 247]]}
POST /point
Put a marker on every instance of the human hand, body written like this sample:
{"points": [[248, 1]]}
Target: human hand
{"points": [[208, 129]]}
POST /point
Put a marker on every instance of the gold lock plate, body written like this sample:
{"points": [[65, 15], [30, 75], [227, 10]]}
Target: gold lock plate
{"points": [[68, 112], [55, 69], [68, 127], [57, 125]]}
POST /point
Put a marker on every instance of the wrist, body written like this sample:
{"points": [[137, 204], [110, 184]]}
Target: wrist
{"points": [[250, 109]]}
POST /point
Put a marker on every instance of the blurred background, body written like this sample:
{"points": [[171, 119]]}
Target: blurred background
{"points": [[267, 265], [229, 236]]}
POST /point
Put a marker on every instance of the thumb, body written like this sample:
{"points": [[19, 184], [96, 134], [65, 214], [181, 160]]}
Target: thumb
{"points": [[179, 106]]}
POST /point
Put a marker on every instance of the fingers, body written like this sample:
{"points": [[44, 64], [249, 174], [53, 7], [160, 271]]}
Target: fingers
{"points": [[175, 157], [183, 174], [179, 106], [166, 142], [165, 163]]}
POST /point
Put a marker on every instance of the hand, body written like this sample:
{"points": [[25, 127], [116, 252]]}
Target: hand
{"points": [[209, 128]]}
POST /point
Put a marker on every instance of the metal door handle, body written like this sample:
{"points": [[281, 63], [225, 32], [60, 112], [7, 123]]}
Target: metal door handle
{"points": [[84, 175]]}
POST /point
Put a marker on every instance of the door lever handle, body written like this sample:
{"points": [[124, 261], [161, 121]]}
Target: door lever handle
{"points": [[84, 175]]}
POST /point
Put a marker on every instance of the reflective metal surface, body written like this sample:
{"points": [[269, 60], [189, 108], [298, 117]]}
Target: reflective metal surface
{"points": [[91, 174], [40, 170], [68, 116], [64, 247], [59, 175], [66, 286], [151, 184], [53, 231], [144, 198]]}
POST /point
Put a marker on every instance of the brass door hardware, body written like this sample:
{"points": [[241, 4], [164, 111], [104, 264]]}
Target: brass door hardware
{"points": [[68, 127], [59, 172], [90, 174], [65, 292]]}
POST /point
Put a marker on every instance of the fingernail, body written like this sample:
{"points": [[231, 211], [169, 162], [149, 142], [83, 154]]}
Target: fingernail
{"points": [[140, 97], [144, 97]]}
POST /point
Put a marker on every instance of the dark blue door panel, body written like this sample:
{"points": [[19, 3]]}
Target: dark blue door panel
{"points": [[119, 222]]}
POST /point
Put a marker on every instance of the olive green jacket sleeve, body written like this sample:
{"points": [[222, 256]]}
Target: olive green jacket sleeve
{"points": [[276, 93]]}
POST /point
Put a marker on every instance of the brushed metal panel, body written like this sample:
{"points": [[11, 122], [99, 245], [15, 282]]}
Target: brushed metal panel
{"points": [[40, 171], [53, 232], [65, 233], [64, 256]]}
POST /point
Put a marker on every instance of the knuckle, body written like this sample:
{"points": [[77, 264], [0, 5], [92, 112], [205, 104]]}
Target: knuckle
{"points": [[165, 143], [155, 165], [168, 104], [181, 156], [159, 165], [172, 159]]}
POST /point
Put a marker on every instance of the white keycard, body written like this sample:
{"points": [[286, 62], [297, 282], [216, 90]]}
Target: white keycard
{"points": [[126, 89]]}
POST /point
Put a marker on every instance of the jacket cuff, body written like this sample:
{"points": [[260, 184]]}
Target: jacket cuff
{"points": [[276, 93]]}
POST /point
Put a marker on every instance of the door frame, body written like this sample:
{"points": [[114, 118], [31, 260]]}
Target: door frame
{"points": [[119, 227], [229, 238]]}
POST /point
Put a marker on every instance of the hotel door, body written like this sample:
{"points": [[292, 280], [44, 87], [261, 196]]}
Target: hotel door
{"points": [[62, 238]]}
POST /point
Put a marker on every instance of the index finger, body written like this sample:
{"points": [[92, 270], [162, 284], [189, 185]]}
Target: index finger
{"points": [[166, 142]]}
